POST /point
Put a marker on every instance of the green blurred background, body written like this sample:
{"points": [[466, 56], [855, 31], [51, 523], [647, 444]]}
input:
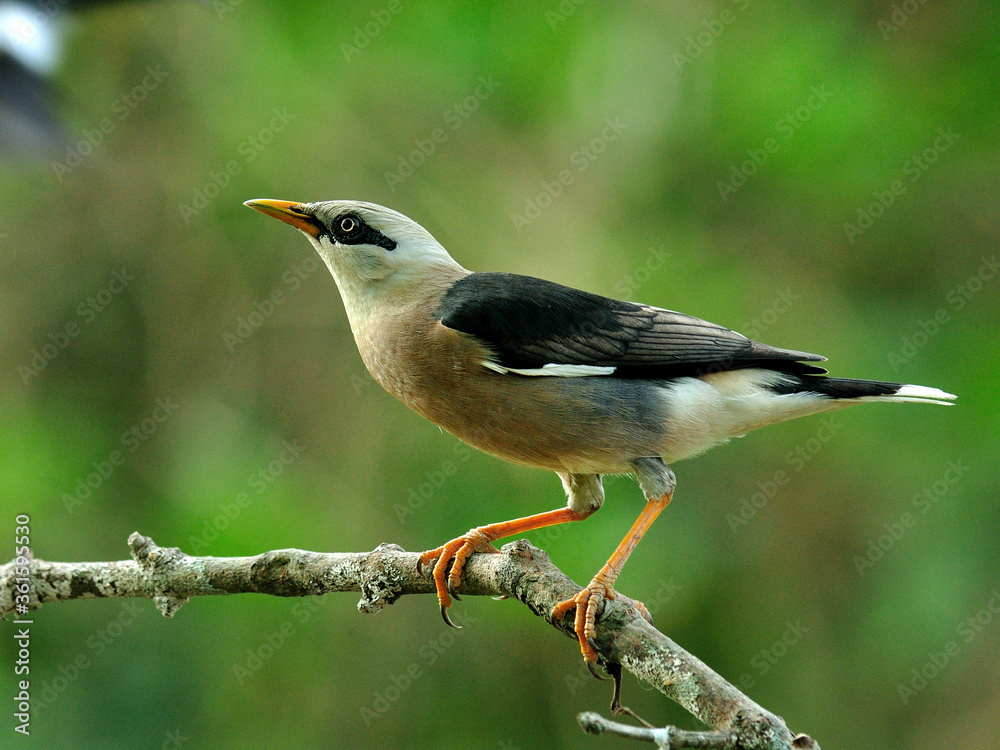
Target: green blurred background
{"points": [[811, 114]]}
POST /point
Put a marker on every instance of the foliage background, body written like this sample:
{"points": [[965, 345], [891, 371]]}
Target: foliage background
{"points": [[645, 220]]}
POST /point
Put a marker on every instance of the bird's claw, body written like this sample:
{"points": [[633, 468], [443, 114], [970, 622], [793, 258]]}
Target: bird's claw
{"points": [[447, 620], [451, 590], [588, 603], [451, 559]]}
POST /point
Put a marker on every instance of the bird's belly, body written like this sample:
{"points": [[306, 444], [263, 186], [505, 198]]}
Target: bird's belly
{"points": [[577, 425], [600, 425], [580, 425]]}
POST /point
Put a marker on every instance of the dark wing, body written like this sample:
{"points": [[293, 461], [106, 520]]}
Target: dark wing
{"points": [[528, 323]]}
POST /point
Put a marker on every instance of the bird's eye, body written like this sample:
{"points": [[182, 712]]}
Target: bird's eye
{"points": [[348, 224]]}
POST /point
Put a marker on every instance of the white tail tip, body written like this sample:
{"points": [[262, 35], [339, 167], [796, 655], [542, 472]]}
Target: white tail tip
{"points": [[922, 394]]}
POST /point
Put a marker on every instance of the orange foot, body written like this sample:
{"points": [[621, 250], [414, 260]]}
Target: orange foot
{"points": [[455, 553], [587, 603]]}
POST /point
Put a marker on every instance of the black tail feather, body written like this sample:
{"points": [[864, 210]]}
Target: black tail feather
{"points": [[835, 387]]}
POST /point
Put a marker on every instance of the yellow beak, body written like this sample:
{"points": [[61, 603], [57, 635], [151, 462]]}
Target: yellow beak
{"points": [[288, 212]]}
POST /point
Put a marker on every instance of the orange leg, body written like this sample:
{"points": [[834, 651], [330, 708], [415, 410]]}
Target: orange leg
{"points": [[588, 601], [481, 539]]}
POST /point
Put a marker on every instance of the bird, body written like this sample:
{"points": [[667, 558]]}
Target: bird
{"points": [[33, 38], [548, 376], [30, 45]]}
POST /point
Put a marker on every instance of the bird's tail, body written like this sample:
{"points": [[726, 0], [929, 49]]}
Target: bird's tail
{"points": [[846, 389]]}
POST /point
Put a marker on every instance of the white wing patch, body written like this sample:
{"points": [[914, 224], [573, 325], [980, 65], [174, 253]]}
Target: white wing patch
{"points": [[553, 370]]}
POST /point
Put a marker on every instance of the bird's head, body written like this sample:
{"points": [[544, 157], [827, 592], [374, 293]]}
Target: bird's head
{"points": [[370, 250]]}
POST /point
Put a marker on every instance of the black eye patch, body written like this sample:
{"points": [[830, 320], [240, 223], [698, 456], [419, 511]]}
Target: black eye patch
{"points": [[350, 229]]}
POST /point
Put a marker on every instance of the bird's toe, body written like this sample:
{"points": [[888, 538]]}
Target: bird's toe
{"points": [[449, 561], [426, 558], [587, 604], [642, 609]]}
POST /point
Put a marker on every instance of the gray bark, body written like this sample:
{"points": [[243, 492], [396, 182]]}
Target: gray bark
{"points": [[170, 578]]}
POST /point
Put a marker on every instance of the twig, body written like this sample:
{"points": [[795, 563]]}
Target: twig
{"points": [[665, 737], [522, 572], [672, 738]]}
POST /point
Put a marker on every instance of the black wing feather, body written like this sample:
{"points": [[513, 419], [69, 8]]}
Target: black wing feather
{"points": [[528, 322]]}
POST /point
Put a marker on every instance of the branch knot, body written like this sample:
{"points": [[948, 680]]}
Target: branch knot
{"points": [[158, 564], [381, 579]]}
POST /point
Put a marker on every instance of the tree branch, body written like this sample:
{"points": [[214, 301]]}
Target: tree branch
{"points": [[170, 578], [665, 737]]}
